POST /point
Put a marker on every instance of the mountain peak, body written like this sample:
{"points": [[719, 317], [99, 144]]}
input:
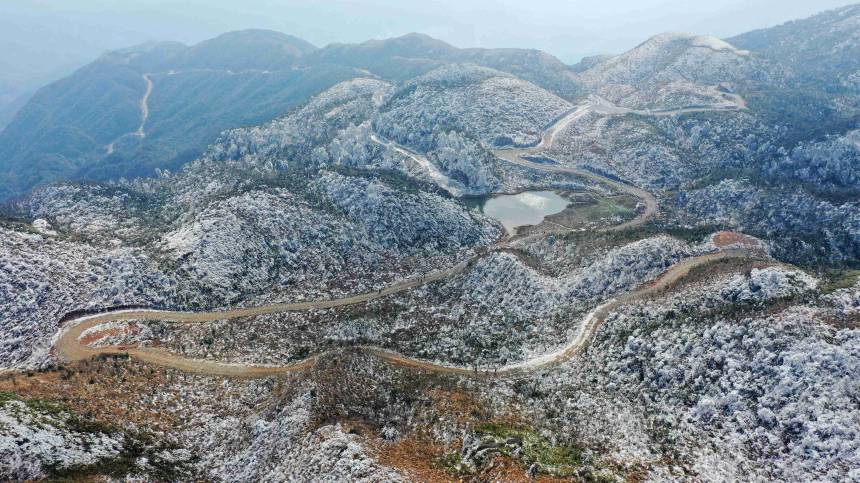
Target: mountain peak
{"points": [[413, 44], [417, 36], [246, 49], [692, 40], [261, 38]]}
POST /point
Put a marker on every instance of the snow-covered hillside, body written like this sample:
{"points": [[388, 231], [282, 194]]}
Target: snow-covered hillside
{"points": [[691, 312], [497, 108], [672, 70], [254, 220]]}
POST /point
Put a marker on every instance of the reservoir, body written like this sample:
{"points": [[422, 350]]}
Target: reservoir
{"points": [[526, 208]]}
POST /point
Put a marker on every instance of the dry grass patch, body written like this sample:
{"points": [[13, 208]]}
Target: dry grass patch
{"points": [[107, 389]]}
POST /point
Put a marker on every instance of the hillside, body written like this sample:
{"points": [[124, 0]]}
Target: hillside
{"points": [[824, 48], [234, 226], [91, 125], [497, 108], [423, 263], [820, 54], [672, 70]]}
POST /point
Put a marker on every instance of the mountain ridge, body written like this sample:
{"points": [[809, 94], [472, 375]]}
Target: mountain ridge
{"points": [[250, 76], [336, 290], [279, 71]]}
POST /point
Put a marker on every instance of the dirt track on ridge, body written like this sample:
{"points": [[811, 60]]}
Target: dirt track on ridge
{"points": [[70, 348]]}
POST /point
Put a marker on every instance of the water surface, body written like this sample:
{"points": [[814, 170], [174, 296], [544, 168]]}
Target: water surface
{"points": [[527, 208]]}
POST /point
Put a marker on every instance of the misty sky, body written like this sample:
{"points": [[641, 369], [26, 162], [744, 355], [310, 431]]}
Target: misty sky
{"points": [[49, 37]]}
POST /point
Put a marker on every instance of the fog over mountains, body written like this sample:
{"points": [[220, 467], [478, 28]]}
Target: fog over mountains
{"points": [[90, 126], [257, 259]]}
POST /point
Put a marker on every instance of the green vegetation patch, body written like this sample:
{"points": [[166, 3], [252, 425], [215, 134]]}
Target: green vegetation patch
{"points": [[840, 279], [606, 207], [451, 462], [529, 448]]}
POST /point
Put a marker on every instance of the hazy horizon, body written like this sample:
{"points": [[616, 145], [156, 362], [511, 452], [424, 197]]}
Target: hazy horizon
{"points": [[568, 30], [41, 41], [226, 255]]}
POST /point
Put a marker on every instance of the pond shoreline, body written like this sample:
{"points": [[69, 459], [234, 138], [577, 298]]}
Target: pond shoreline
{"points": [[525, 208]]}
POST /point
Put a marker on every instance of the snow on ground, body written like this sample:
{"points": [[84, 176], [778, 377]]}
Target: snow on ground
{"points": [[283, 447], [500, 310], [33, 440], [497, 108]]}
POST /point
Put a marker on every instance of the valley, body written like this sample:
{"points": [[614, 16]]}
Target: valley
{"points": [[70, 347], [255, 259]]}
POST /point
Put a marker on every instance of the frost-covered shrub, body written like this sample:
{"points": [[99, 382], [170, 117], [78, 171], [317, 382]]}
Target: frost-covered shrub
{"points": [[497, 108]]}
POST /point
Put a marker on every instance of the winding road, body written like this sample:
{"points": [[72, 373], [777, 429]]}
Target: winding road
{"points": [[143, 104], [144, 115], [69, 346], [587, 328], [435, 174]]}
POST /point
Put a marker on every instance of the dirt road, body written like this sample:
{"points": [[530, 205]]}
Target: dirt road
{"points": [[435, 174], [143, 105], [70, 348], [588, 327], [522, 156]]}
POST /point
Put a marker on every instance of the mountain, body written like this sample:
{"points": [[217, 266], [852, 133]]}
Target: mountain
{"points": [[821, 56], [802, 75], [498, 108], [243, 50], [330, 293], [405, 57], [91, 124], [670, 69], [670, 56], [824, 48], [396, 58]]}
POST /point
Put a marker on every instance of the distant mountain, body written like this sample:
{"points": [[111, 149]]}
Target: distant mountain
{"points": [[90, 125], [397, 58], [822, 57], [823, 48], [413, 54], [670, 69], [244, 49]]}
